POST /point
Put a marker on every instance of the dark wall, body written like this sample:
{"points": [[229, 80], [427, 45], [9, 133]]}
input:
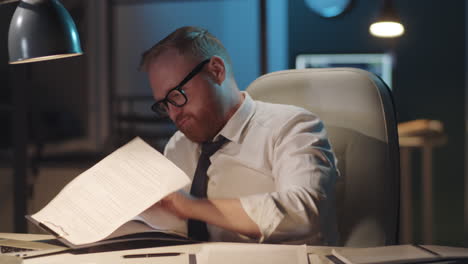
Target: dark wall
{"points": [[6, 12], [428, 81]]}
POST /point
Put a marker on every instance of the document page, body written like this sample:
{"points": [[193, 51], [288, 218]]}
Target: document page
{"points": [[112, 192], [233, 253], [448, 252], [160, 219], [388, 254]]}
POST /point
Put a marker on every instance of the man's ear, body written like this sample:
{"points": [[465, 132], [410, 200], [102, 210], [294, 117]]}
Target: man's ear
{"points": [[217, 68]]}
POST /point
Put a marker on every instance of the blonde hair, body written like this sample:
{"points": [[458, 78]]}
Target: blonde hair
{"points": [[189, 41]]}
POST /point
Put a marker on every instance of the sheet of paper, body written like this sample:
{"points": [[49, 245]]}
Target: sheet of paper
{"points": [[135, 226], [387, 254], [131, 227], [112, 192], [448, 252], [160, 219], [252, 253]]}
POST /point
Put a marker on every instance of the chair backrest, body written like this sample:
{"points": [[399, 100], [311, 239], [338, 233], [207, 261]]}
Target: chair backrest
{"points": [[358, 112]]}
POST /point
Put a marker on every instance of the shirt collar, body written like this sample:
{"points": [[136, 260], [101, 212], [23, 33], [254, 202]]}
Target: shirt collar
{"points": [[234, 128]]}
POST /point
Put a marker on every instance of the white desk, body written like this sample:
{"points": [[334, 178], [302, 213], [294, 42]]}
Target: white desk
{"points": [[229, 251]]}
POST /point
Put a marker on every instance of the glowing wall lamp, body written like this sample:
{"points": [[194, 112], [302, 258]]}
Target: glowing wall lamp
{"points": [[42, 30], [388, 24]]}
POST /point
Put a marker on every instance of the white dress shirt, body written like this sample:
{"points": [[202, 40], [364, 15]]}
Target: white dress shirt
{"points": [[279, 163]]}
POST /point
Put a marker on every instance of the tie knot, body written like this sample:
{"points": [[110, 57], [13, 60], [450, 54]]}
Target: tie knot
{"points": [[209, 148]]}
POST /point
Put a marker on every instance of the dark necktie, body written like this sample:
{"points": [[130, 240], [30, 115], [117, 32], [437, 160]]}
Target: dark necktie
{"points": [[197, 229]]}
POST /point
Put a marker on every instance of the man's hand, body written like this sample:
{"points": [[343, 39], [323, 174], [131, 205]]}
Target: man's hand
{"points": [[225, 213], [178, 203]]}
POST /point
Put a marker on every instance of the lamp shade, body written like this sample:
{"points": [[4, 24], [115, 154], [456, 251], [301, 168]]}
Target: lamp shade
{"points": [[42, 30], [388, 23]]}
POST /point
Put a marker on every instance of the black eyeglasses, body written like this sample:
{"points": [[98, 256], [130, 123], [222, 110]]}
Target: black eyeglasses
{"points": [[176, 96]]}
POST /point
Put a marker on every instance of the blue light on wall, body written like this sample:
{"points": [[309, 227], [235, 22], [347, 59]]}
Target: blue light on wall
{"points": [[328, 8]]}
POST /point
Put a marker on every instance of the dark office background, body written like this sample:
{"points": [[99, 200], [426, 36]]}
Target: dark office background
{"points": [[5, 93], [428, 82]]}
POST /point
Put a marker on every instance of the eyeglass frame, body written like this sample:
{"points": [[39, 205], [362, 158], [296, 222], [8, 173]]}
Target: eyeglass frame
{"points": [[166, 100]]}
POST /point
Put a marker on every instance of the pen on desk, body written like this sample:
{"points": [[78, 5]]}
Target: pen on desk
{"points": [[152, 255]]}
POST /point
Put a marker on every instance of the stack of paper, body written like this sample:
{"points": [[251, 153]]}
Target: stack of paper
{"points": [[228, 253], [398, 254]]}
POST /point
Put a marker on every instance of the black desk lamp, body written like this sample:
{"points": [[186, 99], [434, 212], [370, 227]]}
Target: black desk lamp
{"points": [[39, 30], [42, 30]]}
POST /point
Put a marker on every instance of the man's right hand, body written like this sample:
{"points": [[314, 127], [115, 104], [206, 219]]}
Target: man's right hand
{"points": [[225, 213], [178, 203]]}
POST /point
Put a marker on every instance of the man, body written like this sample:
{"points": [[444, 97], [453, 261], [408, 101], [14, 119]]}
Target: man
{"points": [[272, 180]]}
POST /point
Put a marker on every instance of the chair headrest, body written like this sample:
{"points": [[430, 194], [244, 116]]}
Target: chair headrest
{"points": [[343, 97]]}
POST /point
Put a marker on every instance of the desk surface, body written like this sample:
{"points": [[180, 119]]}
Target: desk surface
{"points": [[309, 254], [227, 253]]}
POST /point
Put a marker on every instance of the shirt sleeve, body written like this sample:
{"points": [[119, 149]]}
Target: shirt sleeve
{"points": [[304, 168]]}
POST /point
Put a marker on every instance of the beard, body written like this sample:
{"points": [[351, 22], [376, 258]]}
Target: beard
{"points": [[198, 130]]}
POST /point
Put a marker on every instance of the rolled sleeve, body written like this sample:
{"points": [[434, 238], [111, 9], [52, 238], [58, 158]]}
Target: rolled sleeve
{"points": [[285, 216], [262, 209]]}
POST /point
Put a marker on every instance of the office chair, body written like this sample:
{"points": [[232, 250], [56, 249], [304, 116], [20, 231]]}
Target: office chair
{"points": [[359, 115]]}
